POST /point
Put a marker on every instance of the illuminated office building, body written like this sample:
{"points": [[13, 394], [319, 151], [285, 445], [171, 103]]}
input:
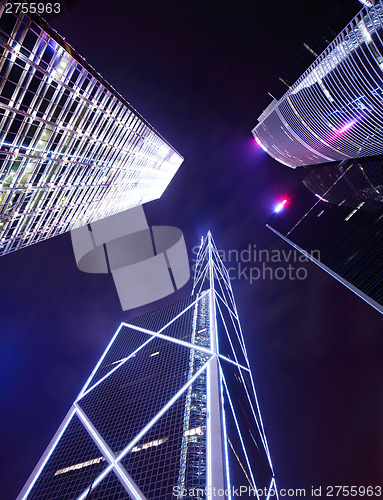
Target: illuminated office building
{"points": [[336, 219], [168, 412], [334, 111], [72, 150], [332, 115]]}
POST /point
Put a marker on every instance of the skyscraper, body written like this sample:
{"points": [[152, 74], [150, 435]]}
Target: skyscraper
{"points": [[335, 219], [332, 115], [334, 111], [72, 150], [169, 411]]}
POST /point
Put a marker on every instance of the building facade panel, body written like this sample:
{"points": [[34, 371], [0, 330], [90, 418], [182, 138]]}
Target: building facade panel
{"points": [[71, 467], [110, 489], [125, 402], [157, 320], [177, 443], [248, 428], [337, 223], [128, 341]]}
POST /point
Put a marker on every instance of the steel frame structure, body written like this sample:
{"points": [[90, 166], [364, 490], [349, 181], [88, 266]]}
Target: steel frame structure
{"points": [[203, 420]]}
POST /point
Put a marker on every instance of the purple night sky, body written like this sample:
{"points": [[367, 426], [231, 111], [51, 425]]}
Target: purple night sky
{"points": [[199, 72]]}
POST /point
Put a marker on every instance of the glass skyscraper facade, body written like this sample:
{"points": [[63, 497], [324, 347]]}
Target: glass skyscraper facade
{"points": [[331, 118], [336, 219], [169, 411], [334, 111], [72, 150], [351, 183]]}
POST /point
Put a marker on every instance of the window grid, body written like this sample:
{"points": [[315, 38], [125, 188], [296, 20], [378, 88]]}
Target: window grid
{"points": [[71, 468], [334, 110], [64, 133], [125, 401]]}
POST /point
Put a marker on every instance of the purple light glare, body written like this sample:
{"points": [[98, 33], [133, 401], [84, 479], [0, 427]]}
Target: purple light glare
{"points": [[346, 127], [260, 144]]}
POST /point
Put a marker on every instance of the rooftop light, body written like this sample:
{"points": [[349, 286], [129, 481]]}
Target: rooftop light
{"points": [[280, 205], [320, 197]]}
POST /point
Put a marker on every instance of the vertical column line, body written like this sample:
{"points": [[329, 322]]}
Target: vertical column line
{"points": [[215, 452]]}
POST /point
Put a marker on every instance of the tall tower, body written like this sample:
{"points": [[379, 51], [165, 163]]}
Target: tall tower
{"points": [[333, 112], [72, 150], [169, 411], [335, 219], [332, 115]]}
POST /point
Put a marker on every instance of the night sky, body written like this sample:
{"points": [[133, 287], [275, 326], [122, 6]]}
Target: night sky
{"points": [[199, 72]]}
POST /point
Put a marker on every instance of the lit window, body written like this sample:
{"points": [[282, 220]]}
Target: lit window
{"points": [[79, 466], [119, 361], [150, 444], [197, 431]]}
